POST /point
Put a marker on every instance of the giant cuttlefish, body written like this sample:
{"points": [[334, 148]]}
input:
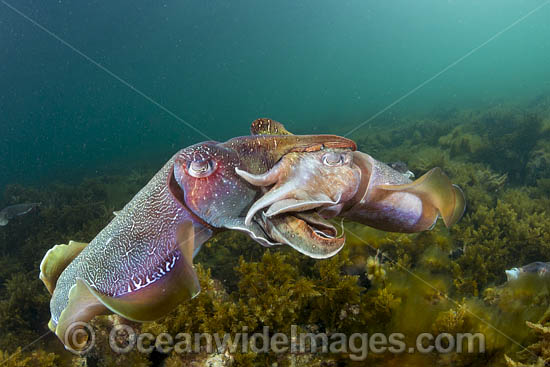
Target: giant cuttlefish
{"points": [[277, 187], [140, 265], [384, 199]]}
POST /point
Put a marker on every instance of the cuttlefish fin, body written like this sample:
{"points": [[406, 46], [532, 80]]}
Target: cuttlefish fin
{"points": [[56, 260], [161, 296], [265, 126], [435, 188], [83, 306], [460, 205]]}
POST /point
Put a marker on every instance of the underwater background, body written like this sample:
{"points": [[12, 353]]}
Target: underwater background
{"points": [[97, 95]]}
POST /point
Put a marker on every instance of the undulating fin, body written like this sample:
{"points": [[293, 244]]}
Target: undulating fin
{"points": [[56, 260], [460, 205], [51, 325], [160, 297], [264, 126], [436, 188], [81, 308], [116, 212]]}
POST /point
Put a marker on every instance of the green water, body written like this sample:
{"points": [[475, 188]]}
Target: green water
{"points": [[317, 66], [96, 96]]}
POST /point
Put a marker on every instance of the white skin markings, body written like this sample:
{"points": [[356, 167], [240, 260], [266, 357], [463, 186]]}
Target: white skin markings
{"points": [[120, 252], [138, 246]]}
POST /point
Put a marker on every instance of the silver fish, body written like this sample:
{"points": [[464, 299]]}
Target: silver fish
{"points": [[402, 168], [538, 267], [10, 212]]}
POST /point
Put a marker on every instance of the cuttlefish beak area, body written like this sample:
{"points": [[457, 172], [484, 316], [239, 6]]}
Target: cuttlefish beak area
{"points": [[301, 186]]}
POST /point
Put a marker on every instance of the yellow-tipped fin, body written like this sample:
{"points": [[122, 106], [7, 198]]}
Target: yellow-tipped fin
{"points": [[56, 260], [460, 206], [436, 189], [51, 325], [81, 308]]}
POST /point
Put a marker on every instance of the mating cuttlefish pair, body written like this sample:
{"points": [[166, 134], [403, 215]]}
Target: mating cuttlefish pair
{"points": [[278, 188]]}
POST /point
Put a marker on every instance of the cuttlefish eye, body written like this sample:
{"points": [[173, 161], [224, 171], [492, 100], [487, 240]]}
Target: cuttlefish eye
{"points": [[333, 159], [202, 168]]}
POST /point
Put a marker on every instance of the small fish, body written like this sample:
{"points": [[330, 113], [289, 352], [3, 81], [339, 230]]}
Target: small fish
{"points": [[10, 212], [538, 267], [402, 168]]}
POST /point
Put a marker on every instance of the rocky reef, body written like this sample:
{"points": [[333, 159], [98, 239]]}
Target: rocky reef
{"points": [[440, 281]]}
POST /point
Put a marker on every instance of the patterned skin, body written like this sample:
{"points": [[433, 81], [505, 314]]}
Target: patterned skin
{"points": [[140, 265]]}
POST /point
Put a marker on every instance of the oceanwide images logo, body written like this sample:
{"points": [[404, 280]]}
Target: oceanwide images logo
{"points": [[124, 339]]}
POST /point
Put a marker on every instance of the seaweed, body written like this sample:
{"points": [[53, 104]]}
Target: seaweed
{"points": [[37, 358], [440, 281], [24, 305]]}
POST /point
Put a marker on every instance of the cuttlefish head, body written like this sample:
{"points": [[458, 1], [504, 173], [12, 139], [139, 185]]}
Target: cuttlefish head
{"points": [[304, 181], [307, 187], [210, 188]]}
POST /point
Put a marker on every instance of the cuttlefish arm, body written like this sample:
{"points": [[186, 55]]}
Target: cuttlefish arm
{"points": [[299, 179], [318, 175], [322, 180], [301, 182], [321, 242]]}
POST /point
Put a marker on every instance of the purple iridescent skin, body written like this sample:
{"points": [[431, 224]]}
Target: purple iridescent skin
{"points": [[140, 265], [390, 201]]}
